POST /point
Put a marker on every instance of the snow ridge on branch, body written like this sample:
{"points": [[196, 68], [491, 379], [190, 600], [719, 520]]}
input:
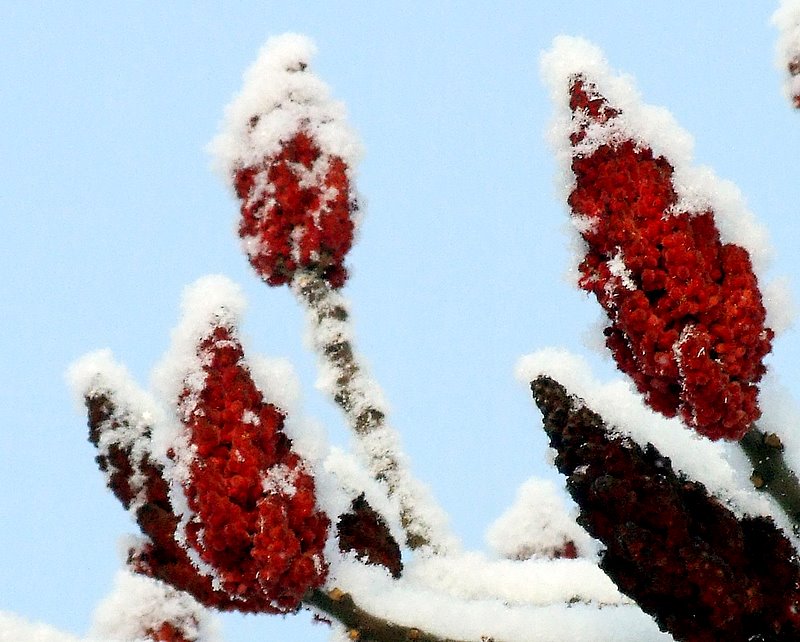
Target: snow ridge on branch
{"points": [[703, 573], [242, 507]]}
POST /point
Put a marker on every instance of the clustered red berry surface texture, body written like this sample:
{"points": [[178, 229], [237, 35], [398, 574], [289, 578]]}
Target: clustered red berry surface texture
{"points": [[363, 531], [702, 573], [255, 516], [297, 213], [138, 478], [687, 322]]}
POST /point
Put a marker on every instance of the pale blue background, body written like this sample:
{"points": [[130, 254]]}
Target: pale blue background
{"points": [[108, 208]]}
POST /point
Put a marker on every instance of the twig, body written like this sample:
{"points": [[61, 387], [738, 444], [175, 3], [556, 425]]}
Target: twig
{"points": [[771, 473], [360, 399], [363, 626]]}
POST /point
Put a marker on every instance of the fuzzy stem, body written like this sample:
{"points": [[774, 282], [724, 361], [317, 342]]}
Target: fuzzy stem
{"points": [[363, 626], [771, 473], [359, 397]]}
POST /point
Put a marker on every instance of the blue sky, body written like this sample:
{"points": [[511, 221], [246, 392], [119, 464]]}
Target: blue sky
{"points": [[108, 208]]}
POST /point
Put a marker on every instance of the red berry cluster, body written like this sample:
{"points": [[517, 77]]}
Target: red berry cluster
{"points": [[703, 573], [297, 212], [686, 315], [254, 517], [169, 633], [139, 482], [255, 520]]}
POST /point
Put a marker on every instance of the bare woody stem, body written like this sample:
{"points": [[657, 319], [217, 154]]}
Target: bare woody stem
{"points": [[771, 473], [362, 626], [360, 400]]}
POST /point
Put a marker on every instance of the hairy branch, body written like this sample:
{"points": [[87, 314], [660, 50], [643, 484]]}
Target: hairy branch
{"points": [[360, 399]]}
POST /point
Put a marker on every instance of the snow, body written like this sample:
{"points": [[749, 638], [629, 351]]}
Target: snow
{"points": [[780, 304], [280, 479], [698, 188], [717, 464], [538, 582], [618, 269], [352, 480], [278, 382], [787, 20], [382, 449], [210, 301], [138, 604], [98, 373], [135, 605], [285, 96], [781, 415], [16, 629], [324, 328], [537, 525], [448, 613], [378, 447]]}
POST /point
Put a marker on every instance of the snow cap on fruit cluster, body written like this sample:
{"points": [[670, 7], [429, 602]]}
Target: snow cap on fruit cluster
{"points": [[282, 94], [289, 155]]}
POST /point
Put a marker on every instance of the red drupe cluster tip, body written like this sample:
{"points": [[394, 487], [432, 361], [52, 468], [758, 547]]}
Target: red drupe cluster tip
{"points": [[255, 521], [297, 212], [687, 322]]}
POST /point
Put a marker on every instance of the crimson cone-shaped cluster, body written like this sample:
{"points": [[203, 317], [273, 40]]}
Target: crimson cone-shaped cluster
{"points": [[253, 538], [703, 573], [253, 504], [687, 322], [297, 212]]}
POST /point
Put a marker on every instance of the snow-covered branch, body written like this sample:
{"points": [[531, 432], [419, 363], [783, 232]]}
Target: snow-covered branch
{"points": [[290, 156], [687, 512], [345, 379]]}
